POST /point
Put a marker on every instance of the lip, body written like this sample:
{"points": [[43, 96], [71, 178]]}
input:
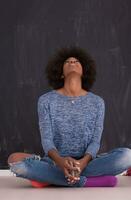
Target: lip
{"points": [[72, 65], [72, 68]]}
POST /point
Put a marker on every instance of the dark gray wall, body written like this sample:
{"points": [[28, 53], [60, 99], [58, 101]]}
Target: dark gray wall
{"points": [[30, 31]]}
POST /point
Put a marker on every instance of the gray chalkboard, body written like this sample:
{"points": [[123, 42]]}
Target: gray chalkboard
{"points": [[30, 32]]}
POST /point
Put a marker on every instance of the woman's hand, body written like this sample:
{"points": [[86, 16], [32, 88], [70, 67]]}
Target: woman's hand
{"points": [[69, 166], [82, 164]]}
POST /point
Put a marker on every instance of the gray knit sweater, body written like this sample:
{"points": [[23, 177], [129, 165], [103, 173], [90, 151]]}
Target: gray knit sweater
{"points": [[71, 125]]}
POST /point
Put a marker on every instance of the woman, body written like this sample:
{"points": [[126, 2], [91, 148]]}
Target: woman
{"points": [[71, 120]]}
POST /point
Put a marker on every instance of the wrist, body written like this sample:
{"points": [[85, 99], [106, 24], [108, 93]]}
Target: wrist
{"points": [[87, 158], [59, 161], [54, 155]]}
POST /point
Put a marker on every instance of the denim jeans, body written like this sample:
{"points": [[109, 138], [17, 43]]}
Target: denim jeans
{"points": [[44, 169]]}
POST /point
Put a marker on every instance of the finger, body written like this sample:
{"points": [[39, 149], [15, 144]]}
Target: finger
{"points": [[68, 164], [66, 172], [74, 161], [75, 173], [72, 178], [72, 167], [69, 176], [76, 164], [79, 169], [71, 181]]}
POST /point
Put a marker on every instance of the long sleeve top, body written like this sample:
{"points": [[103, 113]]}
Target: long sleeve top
{"points": [[71, 125]]}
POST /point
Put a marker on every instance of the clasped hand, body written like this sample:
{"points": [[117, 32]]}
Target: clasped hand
{"points": [[72, 169]]}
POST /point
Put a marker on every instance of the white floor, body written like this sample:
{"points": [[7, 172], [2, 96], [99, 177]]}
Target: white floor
{"points": [[12, 188], [5, 173]]}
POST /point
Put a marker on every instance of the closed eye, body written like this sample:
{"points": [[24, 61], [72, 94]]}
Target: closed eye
{"points": [[75, 61]]}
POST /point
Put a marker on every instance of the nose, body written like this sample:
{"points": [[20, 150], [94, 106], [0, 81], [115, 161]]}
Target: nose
{"points": [[72, 61]]}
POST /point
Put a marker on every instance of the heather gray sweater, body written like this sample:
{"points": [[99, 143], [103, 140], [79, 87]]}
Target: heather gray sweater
{"points": [[72, 125]]}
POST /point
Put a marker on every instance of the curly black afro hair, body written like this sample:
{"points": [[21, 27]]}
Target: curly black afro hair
{"points": [[54, 68]]}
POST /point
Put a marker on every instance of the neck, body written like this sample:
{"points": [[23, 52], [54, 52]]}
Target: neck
{"points": [[72, 86]]}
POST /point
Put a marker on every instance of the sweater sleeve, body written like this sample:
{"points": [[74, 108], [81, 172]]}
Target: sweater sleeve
{"points": [[45, 126], [94, 145]]}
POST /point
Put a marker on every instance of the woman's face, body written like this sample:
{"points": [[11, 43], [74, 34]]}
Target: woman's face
{"points": [[72, 65]]}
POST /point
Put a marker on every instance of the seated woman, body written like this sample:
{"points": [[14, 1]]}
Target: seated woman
{"points": [[71, 119]]}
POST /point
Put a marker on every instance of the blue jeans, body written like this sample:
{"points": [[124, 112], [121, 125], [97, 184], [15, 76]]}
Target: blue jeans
{"points": [[43, 169]]}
